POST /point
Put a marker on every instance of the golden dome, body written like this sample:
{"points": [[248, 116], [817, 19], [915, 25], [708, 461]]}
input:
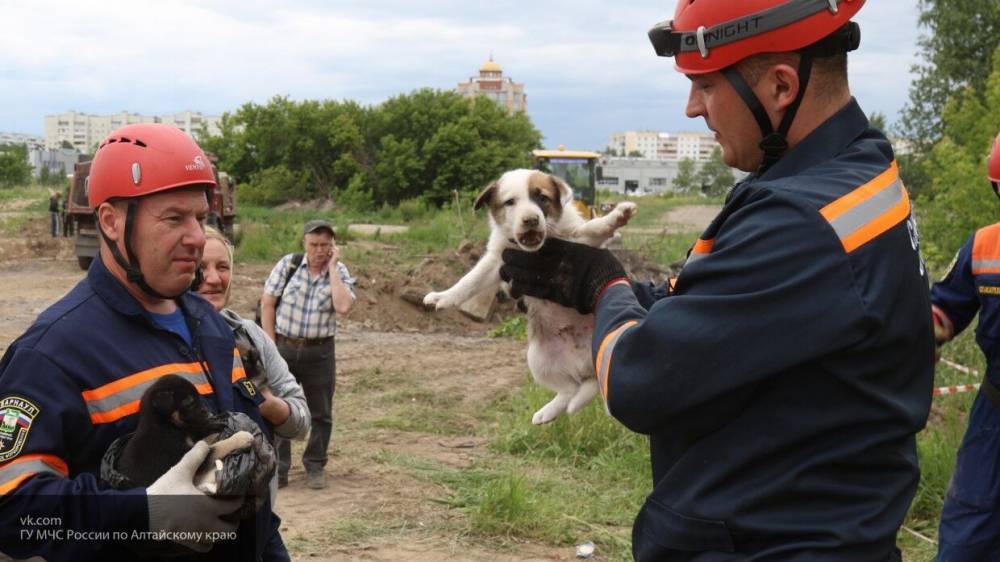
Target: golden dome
{"points": [[490, 66]]}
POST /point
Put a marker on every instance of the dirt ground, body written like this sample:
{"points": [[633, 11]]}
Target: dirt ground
{"points": [[392, 358]]}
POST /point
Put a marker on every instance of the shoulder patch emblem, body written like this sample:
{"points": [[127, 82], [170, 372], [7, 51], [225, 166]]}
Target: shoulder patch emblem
{"points": [[16, 416]]}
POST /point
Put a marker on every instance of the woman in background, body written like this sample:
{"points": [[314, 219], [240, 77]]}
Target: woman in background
{"points": [[284, 405]]}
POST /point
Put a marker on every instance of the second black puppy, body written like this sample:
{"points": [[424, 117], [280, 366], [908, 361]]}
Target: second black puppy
{"points": [[172, 419]]}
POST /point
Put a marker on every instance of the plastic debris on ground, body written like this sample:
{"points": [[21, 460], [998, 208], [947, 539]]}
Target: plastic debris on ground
{"points": [[585, 550]]}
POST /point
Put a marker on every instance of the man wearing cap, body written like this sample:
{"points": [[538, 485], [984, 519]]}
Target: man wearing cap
{"points": [[783, 376], [302, 296]]}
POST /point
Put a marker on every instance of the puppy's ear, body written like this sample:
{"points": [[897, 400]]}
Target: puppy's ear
{"points": [[563, 192], [485, 195]]}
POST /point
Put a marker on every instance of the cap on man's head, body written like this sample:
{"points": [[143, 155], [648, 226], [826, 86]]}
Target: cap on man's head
{"points": [[317, 224]]}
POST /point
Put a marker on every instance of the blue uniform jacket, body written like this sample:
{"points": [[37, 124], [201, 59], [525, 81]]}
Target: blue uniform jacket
{"points": [[973, 285], [70, 385], [784, 378]]}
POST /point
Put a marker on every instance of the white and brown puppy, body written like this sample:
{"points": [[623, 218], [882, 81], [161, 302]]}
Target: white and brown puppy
{"points": [[526, 207]]}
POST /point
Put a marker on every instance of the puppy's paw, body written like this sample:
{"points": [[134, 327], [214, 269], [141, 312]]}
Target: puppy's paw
{"points": [[546, 414], [624, 211], [431, 300]]}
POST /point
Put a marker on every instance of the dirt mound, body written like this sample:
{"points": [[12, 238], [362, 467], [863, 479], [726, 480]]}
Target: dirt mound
{"points": [[32, 240], [389, 294]]}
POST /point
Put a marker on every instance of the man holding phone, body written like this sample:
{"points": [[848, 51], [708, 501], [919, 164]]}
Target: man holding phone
{"points": [[298, 310]]}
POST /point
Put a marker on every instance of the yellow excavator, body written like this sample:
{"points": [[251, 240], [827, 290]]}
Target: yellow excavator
{"points": [[579, 169]]}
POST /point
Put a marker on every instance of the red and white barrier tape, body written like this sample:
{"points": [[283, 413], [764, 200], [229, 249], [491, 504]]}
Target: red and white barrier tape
{"points": [[946, 390], [960, 368], [957, 389]]}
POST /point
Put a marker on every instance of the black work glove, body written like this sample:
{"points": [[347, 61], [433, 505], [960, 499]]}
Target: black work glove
{"points": [[564, 272]]}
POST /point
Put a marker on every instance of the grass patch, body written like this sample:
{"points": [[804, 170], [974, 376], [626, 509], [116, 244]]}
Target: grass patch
{"points": [[375, 380], [505, 498], [422, 397], [265, 233], [354, 531], [662, 248], [515, 327], [423, 418], [548, 483], [653, 207]]}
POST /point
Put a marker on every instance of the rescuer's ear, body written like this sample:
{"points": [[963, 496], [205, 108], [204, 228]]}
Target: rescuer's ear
{"points": [[109, 218], [485, 195]]}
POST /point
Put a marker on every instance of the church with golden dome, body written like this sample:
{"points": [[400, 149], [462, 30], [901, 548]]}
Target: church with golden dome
{"points": [[492, 84]]}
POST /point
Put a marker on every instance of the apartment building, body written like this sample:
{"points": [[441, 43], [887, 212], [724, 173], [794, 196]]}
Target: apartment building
{"points": [[692, 146], [630, 142], [21, 138], [83, 131], [654, 145]]}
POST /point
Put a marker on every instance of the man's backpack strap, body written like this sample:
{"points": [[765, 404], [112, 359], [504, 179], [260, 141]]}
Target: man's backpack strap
{"points": [[293, 267], [296, 262]]}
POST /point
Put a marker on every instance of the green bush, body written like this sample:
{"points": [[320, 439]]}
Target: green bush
{"points": [[272, 186], [515, 327]]}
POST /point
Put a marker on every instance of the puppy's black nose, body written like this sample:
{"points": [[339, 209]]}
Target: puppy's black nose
{"points": [[531, 221]]}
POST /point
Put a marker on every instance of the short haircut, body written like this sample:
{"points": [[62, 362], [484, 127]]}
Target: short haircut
{"points": [[828, 78]]}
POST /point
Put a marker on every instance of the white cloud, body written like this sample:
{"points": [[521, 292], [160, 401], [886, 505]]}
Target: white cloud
{"points": [[587, 65]]}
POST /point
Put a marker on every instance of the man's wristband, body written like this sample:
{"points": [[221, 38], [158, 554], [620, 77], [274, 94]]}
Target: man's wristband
{"points": [[608, 285]]}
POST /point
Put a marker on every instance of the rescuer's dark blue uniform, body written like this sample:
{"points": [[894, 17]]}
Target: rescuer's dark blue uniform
{"points": [[70, 385], [970, 522], [783, 380]]}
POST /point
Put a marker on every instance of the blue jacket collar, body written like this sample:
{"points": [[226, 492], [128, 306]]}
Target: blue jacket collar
{"points": [[821, 145], [111, 291]]}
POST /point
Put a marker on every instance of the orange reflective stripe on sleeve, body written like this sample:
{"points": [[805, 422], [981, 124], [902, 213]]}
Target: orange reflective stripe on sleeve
{"points": [[238, 371], [20, 469], [603, 364], [700, 250], [986, 250], [868, 211], [120, 398]]}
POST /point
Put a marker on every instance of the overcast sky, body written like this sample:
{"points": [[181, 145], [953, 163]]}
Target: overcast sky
{"points": [[587, 65]]}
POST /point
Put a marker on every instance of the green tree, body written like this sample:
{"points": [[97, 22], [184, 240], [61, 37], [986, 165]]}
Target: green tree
{"points": [[878, 121], [960, 199], [14, 167], [52, 178], [423, 144], [686, 178], [715, 176], [635, 154], [956, 53]]}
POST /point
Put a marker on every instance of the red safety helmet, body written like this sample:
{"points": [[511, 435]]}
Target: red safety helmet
{"points": [[713, 35], [146, 158], [709, 35], [138, 160]]}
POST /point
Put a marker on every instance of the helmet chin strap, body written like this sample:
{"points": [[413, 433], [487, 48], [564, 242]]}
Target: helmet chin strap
{"points": [[133, 271], [773, 143]]}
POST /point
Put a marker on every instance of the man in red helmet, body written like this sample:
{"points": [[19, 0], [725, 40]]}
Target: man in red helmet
{"points": [[970, 520], [72, 383], [783, 376]]}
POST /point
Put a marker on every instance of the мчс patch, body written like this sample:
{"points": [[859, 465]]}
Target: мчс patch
{"points": [[16, 415]]}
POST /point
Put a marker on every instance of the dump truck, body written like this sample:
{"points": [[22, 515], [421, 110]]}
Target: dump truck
{"points": [[80, 217]]}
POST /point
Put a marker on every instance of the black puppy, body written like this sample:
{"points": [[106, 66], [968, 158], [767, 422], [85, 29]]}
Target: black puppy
{"points": [[172, 419]]}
